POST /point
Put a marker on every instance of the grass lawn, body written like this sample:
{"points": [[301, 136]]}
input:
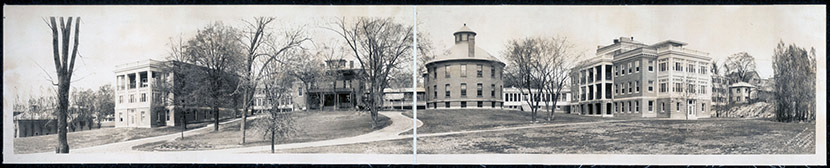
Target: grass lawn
{"points": [[638, 137], [626, 137], [438, 120], [95, 137], [311, 126]]}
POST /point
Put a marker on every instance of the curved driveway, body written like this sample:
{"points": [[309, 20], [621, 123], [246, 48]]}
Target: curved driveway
{"points": [[400, 124]]}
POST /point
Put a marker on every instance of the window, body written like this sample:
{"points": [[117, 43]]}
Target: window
{"points": [[663, 107], [650, 86], [678, 66], [678, 106], [447, 71], [463, 70], [703, 70], [479, 70], [616, 70], [300, 91], [650, 65], [492, 71], [142, 115], [637, 66], [691, 88], [132, 98], [463, 104], [662, 66], [447, 90], [463, 89], [143, 97], [630, 87], [616, 107], [663, 87], [447, 104], [493, 91], [622, 104], [702, 107], [616, 88], [702, 89], [479, 89], [637, 85], [678, 87], [650, 104], [434, 73], [637, 106], [623, 88], [120, 117], [691, 68], [623, 70], [630, 107], [630, 67], [120, 99], [480, 104]]}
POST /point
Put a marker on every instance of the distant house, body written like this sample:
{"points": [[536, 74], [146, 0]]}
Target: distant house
{"points": [[515, 100], [401, 98], [741, 92], [341, 87], [41, 121]]}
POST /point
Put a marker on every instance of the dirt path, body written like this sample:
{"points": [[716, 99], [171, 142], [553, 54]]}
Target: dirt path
{"points": [[400, 124]]}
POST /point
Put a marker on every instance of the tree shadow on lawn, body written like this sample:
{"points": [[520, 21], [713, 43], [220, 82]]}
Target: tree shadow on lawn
{"points": [[312, 126]]}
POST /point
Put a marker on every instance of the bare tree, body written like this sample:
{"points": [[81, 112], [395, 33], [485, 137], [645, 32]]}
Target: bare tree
{"points": [[306, 68], [740, 67], [556, 62], [181, 83], [217, 47], [261, 49], [377, 43], [277, 123], [795, 79], [64, 66], [524, 55]]}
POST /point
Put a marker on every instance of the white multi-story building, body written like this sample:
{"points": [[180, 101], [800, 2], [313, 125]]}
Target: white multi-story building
{"points": [[144, 96], [629, 78]]}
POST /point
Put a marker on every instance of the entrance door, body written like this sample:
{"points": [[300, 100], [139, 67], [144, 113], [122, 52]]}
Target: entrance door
{"points": [[691, 110]]}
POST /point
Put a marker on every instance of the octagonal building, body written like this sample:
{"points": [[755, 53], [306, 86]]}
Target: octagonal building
{"points": [[466, 77]]}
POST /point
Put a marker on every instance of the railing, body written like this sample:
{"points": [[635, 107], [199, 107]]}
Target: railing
{"points": [[681, 49]]}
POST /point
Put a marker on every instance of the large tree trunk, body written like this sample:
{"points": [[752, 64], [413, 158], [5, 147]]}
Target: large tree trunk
{"points": [[63, 106]]}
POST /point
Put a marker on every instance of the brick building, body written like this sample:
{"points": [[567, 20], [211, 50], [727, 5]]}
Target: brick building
{"points": [[466, 77]]}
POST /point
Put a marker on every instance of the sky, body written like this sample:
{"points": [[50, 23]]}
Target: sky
{"points": [[112, 35], [718, 30]]}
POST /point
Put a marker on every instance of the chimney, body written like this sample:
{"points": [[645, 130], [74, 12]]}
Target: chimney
{"points": [[616, 41], [471, 44]]}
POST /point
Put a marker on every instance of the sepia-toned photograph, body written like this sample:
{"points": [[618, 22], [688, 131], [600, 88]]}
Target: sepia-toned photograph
{"points": [[422, 84]]}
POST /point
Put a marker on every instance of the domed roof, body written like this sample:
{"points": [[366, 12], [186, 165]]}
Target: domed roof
{"points": [[465, 29], [459, 51]]}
